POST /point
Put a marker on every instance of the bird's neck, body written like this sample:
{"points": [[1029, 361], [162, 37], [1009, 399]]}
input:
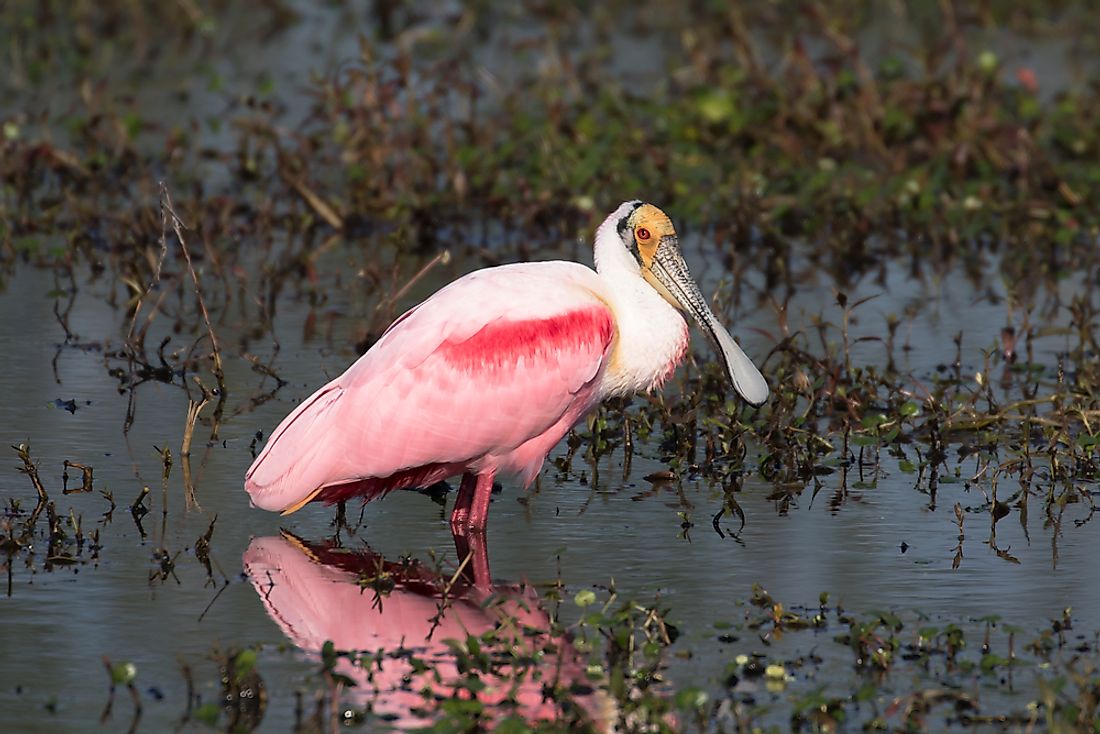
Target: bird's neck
{"points": [[652, 336], [611, 256]]}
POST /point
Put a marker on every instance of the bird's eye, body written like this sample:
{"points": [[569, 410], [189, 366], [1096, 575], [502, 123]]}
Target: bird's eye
{"points": [[642, 234]]}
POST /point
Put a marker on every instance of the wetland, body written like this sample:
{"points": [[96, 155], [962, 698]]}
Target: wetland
{"points": [[208, 210]]}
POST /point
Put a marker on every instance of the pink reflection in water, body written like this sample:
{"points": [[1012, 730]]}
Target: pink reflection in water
{"points": [[318, 592]]}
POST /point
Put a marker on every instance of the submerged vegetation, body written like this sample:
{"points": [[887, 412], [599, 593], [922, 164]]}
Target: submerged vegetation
{"points": [[839, 148]]}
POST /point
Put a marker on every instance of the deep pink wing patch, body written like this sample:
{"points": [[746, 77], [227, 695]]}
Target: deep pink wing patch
{"points": [[501, 345]]}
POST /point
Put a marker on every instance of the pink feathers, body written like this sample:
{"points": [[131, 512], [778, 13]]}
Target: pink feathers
{"points": [[503, 344], [485, 376]]}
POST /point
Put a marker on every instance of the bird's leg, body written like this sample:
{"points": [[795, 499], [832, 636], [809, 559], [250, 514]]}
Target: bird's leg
{"points": [[460, 515], [479, 513], [471, 512], [473, 546], [468, 521]]}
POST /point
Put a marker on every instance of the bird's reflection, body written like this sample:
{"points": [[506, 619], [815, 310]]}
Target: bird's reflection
{"points": [[405, 613]]}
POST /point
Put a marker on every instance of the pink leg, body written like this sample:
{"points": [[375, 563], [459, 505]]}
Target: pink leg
{"points": [[460, 515], [471, 512], [473, 546]]}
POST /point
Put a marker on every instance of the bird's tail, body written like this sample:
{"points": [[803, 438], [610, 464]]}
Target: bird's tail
{"points": [[294, 467]]}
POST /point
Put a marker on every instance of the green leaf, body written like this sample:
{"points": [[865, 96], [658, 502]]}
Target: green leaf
{"points": [[585, 598], [207, 714], [123, 673], [874, 420], [462, 707], [511, 725], [691, 698], [328, 654], [244, 663]]}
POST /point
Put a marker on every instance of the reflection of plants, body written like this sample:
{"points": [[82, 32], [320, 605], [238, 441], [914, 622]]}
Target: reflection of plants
{"points": [[242, 701], [626, 642], [835, 165], [820, 668]]}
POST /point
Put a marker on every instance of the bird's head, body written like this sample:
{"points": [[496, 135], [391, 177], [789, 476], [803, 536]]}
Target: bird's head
{"points": [[652, 249]]}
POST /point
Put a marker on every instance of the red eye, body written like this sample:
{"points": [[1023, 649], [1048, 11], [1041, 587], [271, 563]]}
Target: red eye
{"points": [[642, 233]]}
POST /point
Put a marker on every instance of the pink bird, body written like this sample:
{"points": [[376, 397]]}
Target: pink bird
{"points": [[487, 375]]}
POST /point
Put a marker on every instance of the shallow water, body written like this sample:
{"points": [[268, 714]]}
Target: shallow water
{"points": [[882, 548]]}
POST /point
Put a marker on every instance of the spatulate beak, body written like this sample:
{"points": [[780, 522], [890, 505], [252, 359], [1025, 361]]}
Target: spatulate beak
{"points": [[671, 271]]}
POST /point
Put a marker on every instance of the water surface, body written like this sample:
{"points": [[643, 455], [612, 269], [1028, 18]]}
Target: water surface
{"points": [[881, 548]]}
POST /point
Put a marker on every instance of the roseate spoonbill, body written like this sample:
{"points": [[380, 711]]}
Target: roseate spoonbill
{"points": [[314, 592], [488, 374]]}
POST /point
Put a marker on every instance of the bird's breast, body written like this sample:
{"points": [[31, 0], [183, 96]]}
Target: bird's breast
{"points": [[646, 351]]}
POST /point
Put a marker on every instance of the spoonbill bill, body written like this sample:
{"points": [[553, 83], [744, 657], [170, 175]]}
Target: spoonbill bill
{"points": [[489, 373]]}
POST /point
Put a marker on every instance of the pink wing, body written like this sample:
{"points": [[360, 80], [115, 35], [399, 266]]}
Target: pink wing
{"points": [[491, 361]]}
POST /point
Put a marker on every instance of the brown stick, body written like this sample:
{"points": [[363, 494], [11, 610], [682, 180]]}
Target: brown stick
{"points": [[167, 213]]}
